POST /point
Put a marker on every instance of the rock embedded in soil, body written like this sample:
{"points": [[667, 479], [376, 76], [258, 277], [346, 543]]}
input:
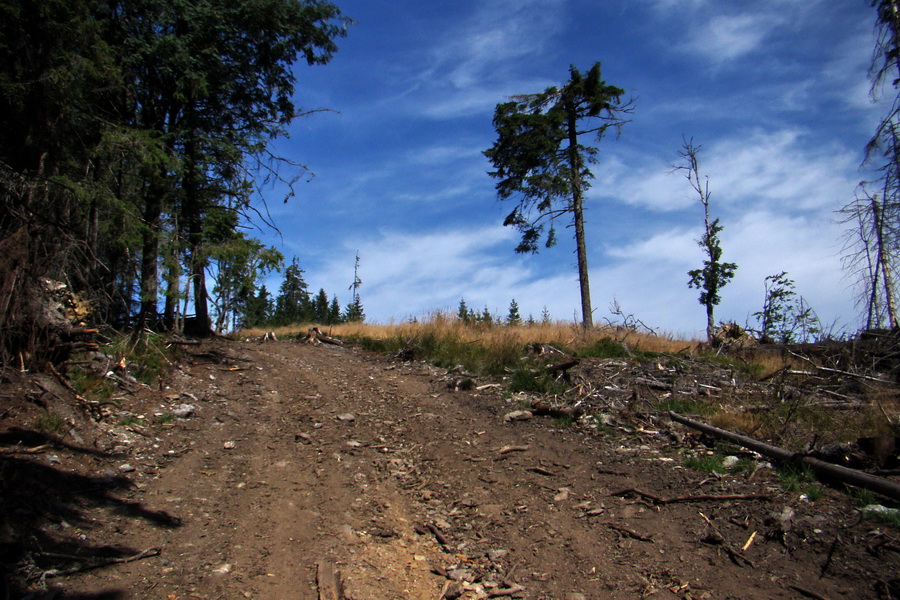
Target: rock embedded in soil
{"points": [[517, 415], [183, 411]]}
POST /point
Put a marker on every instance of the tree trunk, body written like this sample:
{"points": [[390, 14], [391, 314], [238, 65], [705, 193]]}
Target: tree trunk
{"points": [[883, 263], [149, 258], [710, 252], [587, 317], [822, 469], [193, 213], [173, 276]]}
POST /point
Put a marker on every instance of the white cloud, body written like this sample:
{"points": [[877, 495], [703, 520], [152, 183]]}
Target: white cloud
{"points": [[783, 168], [408, 274], [497, 33], [724, 37], [471, 68], [719, 32], [649, 277]]}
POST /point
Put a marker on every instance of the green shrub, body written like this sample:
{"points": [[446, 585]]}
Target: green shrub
{"points": [[686, 405], [147, 357], [711, 463], [531, 381], [801, 479], [50, 422], [605, 348]]}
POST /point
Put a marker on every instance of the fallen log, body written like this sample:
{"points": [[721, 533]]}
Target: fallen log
{"points": [[541, 408], [316, 337], [821, 468], [563, 368]]}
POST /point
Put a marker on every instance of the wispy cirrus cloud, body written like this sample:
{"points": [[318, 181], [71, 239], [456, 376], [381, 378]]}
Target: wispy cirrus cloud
{"points": [[474, 65], [721, 32], [762, 169], [726, 37]]}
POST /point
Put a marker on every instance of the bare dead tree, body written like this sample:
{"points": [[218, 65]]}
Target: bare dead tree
{"points": [[869, 258], [872, 244]]}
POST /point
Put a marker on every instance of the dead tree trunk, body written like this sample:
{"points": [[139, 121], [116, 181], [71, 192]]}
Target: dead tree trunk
{"points": [[821, 468]]}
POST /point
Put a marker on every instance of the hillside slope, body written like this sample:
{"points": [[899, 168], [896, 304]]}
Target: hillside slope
{"points": [[292, 461]]}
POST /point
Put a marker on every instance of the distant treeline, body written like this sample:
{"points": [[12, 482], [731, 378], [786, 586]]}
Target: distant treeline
{"points": [[294, 304]]}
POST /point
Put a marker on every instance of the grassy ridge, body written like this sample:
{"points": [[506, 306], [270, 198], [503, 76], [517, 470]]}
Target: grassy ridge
{"points": [[788, 417], [447, 335]]}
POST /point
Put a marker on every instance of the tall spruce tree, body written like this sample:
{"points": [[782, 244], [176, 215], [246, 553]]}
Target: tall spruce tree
{"points": [[540, 160], [320, 307], [292, 305], [334, 312], [258, 311]]}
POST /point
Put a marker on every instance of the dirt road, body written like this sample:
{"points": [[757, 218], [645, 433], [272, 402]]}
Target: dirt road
{"points": [[298, 459]]}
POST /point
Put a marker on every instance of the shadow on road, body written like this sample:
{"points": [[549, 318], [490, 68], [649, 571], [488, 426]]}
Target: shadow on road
{"points": [[41, 505]]}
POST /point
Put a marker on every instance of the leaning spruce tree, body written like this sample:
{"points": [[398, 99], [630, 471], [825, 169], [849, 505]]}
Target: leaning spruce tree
{"points": [[539, 160]]}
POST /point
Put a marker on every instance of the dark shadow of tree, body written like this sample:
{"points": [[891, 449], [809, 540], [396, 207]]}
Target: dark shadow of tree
{"points": [[37, 500]]}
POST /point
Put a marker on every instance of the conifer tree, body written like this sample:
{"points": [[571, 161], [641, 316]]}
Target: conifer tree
{"points": [[334, 312], [292, 304], [354, 312], [545, 316], [539, 159], [258, 311], [320, 307], [513, 317], [463, 312]]}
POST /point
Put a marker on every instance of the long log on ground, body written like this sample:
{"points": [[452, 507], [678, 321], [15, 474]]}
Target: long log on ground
{"points": [[821, 468]]}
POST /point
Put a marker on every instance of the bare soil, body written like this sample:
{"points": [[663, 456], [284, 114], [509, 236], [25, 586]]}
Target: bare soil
{"points": [[297, 460]]}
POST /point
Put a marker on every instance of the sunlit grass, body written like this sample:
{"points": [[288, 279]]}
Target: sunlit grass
{"points": [[564, 335], [490, 349], [508, 353]]}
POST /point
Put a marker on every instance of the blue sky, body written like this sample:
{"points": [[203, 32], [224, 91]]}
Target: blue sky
{"points": [[775, 92]]}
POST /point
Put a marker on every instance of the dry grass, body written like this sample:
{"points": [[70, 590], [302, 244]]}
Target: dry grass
{"points": [[733, 419], [567, 335], [497, 350]]}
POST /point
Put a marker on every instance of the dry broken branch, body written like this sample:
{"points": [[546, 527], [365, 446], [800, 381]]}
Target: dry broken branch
{"points": [[696, 498], [97, 563]]}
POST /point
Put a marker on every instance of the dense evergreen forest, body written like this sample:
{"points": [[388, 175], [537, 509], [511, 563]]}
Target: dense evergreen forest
{"points": [[136, 137]]}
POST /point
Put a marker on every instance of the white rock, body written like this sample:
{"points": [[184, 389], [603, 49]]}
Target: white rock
{"points": [[184, 410], [497, 554], [730, 461], [517, 415], [878, 510]]}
